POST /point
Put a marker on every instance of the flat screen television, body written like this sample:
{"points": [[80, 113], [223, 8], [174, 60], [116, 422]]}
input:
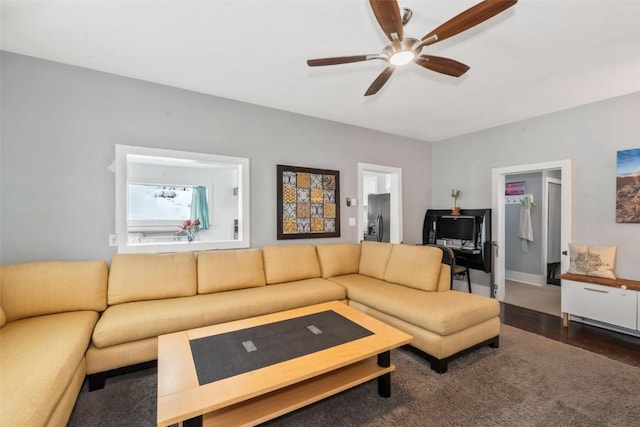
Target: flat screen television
{"points": [[456, 227]]}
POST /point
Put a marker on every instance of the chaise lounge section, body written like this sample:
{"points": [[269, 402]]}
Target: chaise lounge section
{"points": [[408, 287]]}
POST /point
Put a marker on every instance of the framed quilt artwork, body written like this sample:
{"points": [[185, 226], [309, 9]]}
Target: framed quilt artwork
{"points": [[308, 202]]}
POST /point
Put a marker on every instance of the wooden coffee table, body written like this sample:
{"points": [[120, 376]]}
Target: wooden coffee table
{"points": [[265, 393]]}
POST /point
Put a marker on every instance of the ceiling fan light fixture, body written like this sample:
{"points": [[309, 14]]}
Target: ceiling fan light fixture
{"points": [[400, 52], [402, 57]]}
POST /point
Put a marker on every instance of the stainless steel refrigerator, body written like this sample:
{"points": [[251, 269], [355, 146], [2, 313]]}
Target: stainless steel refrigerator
{"points": [[378, 218]]}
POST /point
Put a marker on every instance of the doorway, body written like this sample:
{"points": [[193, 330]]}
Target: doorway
{"points": [[499, 176], [379, 179]]}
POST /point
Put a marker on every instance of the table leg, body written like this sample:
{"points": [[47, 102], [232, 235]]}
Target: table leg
{"points": [[384, 381]]}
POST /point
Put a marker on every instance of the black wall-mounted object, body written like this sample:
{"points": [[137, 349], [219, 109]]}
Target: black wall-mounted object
{"points": [[468, 234]]}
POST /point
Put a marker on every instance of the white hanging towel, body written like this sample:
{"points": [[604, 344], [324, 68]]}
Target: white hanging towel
{"points": [[525, 229]]}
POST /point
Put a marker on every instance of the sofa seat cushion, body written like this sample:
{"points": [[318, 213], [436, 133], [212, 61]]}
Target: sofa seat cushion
{"points": [[443, 313], [134, 321], [39, 357]]}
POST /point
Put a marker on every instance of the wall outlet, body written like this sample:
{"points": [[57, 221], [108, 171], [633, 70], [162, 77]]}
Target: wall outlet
{"points": [[352, 222], [113, 240]]}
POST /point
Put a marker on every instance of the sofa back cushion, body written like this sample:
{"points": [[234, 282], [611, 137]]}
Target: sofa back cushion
{"points": [[287, 263], [227, 270], [444, 281], [338, 258], [414, 266], [140, 277], [373, 259], [39, 288]]}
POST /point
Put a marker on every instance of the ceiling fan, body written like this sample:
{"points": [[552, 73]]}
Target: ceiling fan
{"points": [[400, 51]]}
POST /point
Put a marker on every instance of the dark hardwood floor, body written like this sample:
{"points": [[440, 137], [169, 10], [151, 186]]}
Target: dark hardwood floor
{"points": [[621, 347]]}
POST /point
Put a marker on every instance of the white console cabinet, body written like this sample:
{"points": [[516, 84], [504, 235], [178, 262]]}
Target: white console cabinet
{"points": [[608, 303]]}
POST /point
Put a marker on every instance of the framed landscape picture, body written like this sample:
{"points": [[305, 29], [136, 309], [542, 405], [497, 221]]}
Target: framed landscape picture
{"points": [[628, 186], [308, 202]]}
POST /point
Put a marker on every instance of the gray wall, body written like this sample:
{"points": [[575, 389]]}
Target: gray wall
{"points": [[60, 125], [590, 135]]}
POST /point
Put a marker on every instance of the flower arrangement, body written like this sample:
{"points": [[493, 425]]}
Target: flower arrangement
{"points": [[190, 227]]}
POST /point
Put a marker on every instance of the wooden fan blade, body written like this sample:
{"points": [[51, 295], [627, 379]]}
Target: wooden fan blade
{"points": [[380, 81], [442, 65], [387, 13], [338, 60], [470, 18]]}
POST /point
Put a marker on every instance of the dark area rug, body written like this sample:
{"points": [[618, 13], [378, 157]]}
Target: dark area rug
{"points": [[529, 381]]}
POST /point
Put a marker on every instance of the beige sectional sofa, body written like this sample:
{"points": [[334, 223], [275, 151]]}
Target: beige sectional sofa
{"points": [[53, 321]]}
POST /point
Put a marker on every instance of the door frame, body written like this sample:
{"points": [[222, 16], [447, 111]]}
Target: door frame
{"points": [[396, 199], [498, 218], [545, 220]]}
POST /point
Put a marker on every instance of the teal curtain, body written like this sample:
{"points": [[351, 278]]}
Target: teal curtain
{"points": [[200, 207]]}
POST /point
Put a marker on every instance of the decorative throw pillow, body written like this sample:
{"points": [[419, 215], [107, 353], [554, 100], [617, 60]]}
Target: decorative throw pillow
{"points": [[597, 261]]}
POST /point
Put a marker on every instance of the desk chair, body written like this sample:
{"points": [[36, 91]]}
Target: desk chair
{"points": [[459, 265]]}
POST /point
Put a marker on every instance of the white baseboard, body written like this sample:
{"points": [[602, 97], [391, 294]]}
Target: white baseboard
{"points": [[476, 288], [532, 279]]}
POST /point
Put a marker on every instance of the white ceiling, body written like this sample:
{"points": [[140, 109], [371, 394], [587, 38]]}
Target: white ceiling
{"points": [[538, 57]]}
